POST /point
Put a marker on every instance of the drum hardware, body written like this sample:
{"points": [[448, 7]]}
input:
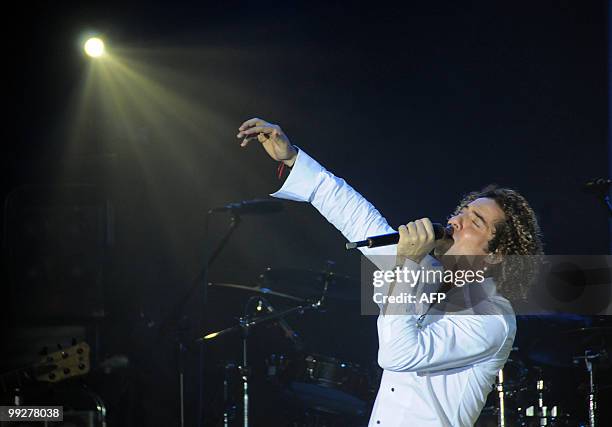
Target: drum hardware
{"points": [[588, 359], [509, 383], [177, 318], [310, 290], [310, 284], [592, 344], [257, 290], [501, 397], [512, 395], [542, 412], [329, 390], [245, 324], [176, 315]]}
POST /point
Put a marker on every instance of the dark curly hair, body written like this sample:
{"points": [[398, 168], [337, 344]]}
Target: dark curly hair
{"points": [[517, 239]]}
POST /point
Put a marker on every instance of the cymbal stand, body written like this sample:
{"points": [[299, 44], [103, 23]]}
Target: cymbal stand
{"points": [[329, 276], [544, 413], [245, 323], [588, 358], [229, 408], [244, 372], [501, 416]]}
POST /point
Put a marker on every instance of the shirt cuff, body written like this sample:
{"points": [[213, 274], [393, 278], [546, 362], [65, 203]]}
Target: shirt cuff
{"points": [[302, 180]]}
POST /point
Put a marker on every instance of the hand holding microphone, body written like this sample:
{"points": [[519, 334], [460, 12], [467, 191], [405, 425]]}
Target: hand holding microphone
{"points": [[416, 239], [440, 232]]}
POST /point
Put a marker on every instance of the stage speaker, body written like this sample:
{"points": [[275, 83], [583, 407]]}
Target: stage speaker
{"points": [[57, 242]]}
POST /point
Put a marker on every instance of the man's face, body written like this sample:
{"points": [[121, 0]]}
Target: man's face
{"points": [[474, 226]]}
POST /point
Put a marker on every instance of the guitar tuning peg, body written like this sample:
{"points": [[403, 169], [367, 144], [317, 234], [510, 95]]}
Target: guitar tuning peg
{"points": [[44, 351]]}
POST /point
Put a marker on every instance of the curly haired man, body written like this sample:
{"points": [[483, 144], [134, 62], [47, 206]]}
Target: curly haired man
{"points": [[437, 369]]}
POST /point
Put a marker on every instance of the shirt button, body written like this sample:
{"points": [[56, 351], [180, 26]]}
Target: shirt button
{"points": [[392, 389], [378, 422]]}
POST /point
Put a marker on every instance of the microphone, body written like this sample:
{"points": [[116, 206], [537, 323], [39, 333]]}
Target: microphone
{"points": [[440, 232], [251, 207]]}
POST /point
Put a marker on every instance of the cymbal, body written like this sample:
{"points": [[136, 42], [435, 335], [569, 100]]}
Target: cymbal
{"points": [[250, 322], [257, 290], [310, 283], [561, 348]]}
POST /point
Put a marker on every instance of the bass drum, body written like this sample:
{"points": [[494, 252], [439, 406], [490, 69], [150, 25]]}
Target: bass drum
{"points": [[322, 383]]}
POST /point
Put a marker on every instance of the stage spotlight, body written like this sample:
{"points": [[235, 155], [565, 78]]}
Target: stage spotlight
{"points": [[94, 47]]}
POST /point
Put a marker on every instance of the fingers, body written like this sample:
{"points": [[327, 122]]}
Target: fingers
{"points": [[267, 129], [418, 231], [246, 141], [431, 235], [246, 125], [412, 232], [416, 240], [408, 233], [403, 232], [252, 122], [257, 129]]}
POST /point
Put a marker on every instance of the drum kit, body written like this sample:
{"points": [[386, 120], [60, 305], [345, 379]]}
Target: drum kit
{"points": [[322, 389], [318, 389], [529, 394]]}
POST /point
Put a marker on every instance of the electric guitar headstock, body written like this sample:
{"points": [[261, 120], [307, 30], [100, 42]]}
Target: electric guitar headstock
{"points": [[52, 368], [63, 364]]}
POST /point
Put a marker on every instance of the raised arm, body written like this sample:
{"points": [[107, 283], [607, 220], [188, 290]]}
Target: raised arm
{"points": [[308, 181]]}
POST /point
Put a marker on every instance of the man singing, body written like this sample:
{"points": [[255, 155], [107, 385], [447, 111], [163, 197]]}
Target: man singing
{"points": [[438, 369]]}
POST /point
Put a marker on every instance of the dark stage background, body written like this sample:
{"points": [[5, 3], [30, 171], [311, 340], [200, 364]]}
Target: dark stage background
{"points": [[414, 104]]}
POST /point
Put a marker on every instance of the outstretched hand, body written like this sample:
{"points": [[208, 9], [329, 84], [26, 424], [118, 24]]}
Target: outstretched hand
{"points": [[271, 137]]}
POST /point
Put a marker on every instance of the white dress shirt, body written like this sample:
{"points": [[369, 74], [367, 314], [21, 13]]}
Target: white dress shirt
{"points": [[438, 369]]}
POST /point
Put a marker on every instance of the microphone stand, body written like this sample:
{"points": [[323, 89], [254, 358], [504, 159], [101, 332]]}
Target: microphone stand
{"points": [[203, 279], [235, 220], [199, 280]]}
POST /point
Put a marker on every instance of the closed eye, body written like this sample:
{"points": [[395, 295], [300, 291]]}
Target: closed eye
{"points": [[465, 209]]}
